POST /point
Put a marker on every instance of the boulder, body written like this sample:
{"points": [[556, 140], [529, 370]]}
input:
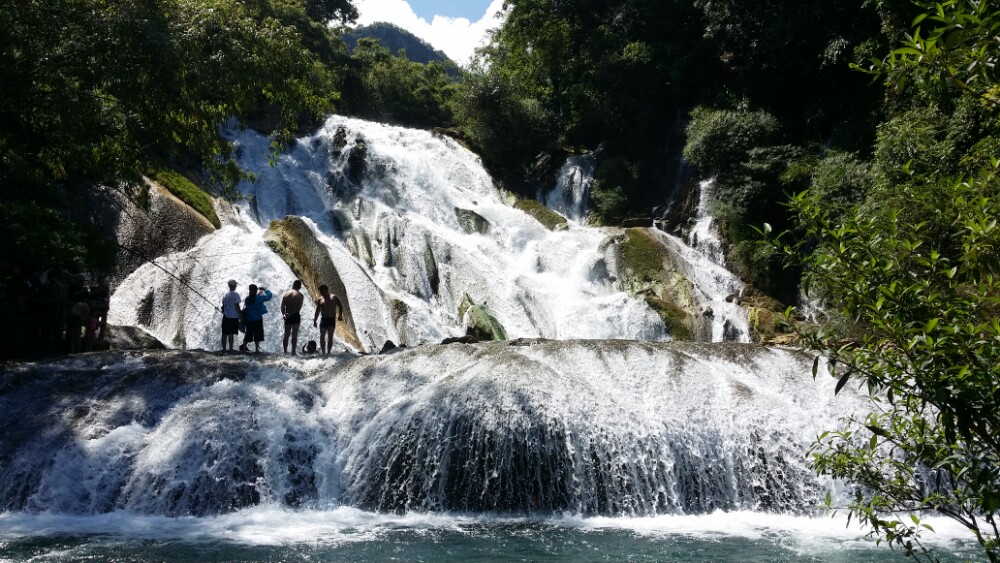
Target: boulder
{"points": [[120, 338], [479, 321], [548, 218], [471, 222], [647, 270]]}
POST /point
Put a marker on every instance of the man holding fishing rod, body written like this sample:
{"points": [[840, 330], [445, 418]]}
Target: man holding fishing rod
{"points": [[230, 316]]}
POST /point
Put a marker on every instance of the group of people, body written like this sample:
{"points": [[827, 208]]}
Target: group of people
{"points": [[49, 314], [247, 315]]}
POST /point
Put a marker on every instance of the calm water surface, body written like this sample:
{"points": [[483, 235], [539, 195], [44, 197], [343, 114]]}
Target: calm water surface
{"points": [[347, 535]]}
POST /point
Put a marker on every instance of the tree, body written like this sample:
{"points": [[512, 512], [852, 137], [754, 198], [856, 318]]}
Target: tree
{"points": [[912, 281], [99, 91]]}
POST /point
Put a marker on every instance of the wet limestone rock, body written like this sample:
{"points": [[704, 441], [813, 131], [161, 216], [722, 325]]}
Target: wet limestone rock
{"points": [[766, 317], [357, 161], [155, 225], [479, 322], [647, 270], [472, 222], [293, 240], [548, 218]]}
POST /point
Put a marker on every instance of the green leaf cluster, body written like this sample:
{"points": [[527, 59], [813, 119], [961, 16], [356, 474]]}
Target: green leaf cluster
{"points": [[910, 275]]}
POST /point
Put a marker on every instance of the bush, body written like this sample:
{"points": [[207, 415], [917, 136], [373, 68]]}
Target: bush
{"points": [[718, 141]]}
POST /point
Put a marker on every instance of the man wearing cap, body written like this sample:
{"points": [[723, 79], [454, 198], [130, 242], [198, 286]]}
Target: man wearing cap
{"points": [[230, 316]]}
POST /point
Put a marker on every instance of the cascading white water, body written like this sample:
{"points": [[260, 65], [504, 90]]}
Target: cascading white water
{"points": [[588, 427], [703, 236], [702, 261], [572, 189], [407, 217]]}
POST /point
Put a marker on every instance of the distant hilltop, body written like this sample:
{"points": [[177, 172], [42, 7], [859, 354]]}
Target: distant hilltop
{"points": [[395, 39]]}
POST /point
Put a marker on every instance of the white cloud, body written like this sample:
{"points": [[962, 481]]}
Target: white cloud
{"points": [[457, 37]]}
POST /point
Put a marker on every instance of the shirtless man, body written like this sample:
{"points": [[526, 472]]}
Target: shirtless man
{"points": [[332, 311], [291, 305]]}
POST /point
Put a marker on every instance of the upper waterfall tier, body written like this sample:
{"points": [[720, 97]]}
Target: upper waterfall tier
{"points": [[414, 227], [589, 427], [409, 230]]}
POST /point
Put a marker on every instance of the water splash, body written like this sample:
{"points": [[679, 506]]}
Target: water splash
{"points": [[572, 191], [610, 428]]}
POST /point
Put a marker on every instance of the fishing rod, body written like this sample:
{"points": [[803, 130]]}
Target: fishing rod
{"points": [[169, 273]]}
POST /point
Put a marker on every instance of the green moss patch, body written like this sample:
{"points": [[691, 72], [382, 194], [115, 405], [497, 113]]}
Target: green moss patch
{"points": [[674, 318], [186, 191], [642, 255], [550, 219]]}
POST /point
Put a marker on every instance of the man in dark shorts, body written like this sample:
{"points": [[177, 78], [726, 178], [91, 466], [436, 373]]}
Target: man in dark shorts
{"points": [[331, 309], [230, 316], [291, 306]]}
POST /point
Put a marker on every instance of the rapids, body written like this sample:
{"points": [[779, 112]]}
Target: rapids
{"points": [[612, 428], [413, 224]]}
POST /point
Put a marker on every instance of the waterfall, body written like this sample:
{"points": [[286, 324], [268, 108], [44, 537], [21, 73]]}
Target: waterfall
{"points": [[572, 189], [703, 236], [414, 225], [588, 427]]}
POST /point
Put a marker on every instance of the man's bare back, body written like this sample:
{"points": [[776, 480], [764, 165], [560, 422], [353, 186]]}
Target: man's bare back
{"points": [[291, 302]]}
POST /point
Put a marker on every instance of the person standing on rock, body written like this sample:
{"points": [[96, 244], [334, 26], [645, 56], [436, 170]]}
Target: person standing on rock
{"points": [[291, 306], [253, 313], [230, 316], [330, 308]]}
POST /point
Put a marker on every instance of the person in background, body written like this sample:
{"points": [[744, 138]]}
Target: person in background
{"points": [[332, 311], [291, 307], [253, 313], [79, 311], [100, 303], [230, 316]]}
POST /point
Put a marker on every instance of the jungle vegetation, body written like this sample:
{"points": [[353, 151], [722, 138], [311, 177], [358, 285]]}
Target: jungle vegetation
{"points": [[867, 132]]}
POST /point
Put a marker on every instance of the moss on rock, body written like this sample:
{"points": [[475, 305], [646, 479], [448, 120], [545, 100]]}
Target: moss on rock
{"points": [[186, 191], [646, 270], [548, 218], [642, 255], [678, 322]]}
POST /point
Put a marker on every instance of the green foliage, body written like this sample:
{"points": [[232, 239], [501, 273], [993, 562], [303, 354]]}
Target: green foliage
{"points": [[719, 141], [186, 191], [507, 125], [954, 43], [397, 40], [841, 181], [393, 89], [912, 281], [615, 179], [924, 340], [752, 176], [96, 92]]}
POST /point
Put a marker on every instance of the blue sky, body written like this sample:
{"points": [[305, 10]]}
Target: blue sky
{"points": [[455, 27], [469, 9]]}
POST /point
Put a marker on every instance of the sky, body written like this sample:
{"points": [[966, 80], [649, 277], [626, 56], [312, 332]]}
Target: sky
{"points": [[456, 27]]}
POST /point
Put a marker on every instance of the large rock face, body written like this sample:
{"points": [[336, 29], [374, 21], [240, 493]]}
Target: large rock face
{"points": [[145, 233], [526, 426], [646, 269], [296, 243]]}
